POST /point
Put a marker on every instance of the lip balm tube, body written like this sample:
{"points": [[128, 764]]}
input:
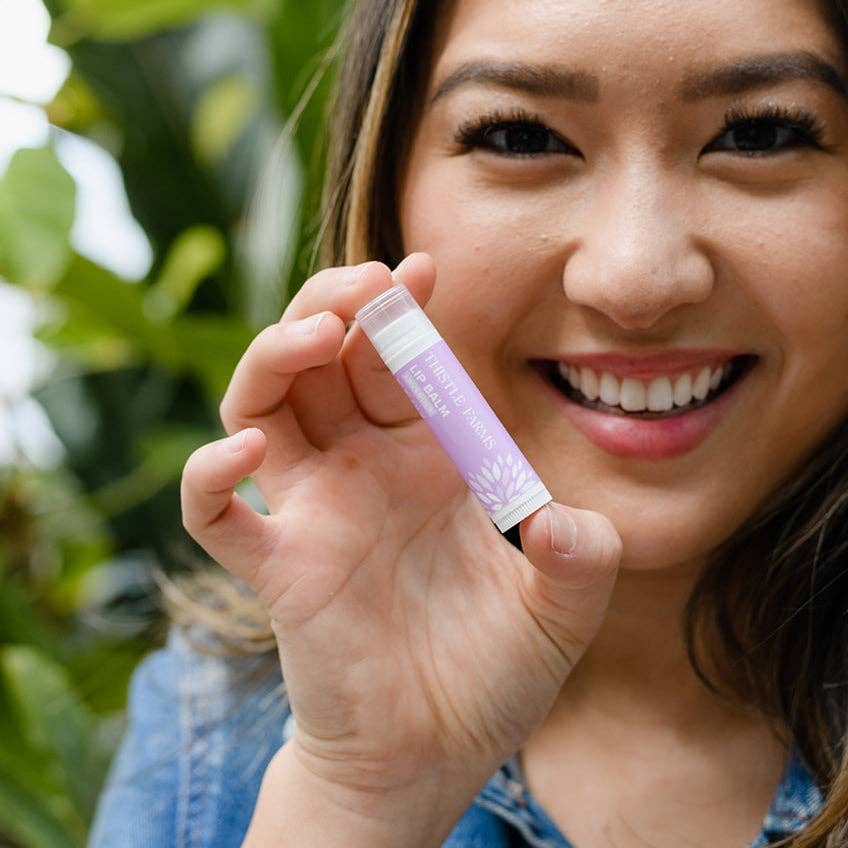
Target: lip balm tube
{"points": [[451, 405]]}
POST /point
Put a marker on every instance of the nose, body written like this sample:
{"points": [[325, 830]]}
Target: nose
{"points": [[638, 258]]}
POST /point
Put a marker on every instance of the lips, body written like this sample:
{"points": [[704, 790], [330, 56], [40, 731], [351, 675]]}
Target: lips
{"points": [[649, 407]]}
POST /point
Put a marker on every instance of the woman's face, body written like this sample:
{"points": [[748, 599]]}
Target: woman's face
{"points": [[652, 194]]}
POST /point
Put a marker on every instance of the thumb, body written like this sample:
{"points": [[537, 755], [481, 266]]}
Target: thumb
{"points": [[573, 557]]}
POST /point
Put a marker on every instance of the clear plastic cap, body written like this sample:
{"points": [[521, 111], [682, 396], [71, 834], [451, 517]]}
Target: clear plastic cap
{"points": [[397, 326]]}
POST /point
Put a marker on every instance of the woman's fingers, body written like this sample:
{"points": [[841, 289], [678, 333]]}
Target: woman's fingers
{"points": [[309, 334], [222, 522], [273, 359], [574, 554], [376, 391], [369, 388], [257, 391], [339, 290], [293, 384]]}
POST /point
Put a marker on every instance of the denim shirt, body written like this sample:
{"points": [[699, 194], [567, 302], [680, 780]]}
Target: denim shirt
{"points": [[201, 734]]}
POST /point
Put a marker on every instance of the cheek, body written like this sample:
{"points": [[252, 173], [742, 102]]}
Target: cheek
{"points": [[794, 275], [802, 281], [447, 208], [496, 251], [488, 259]]}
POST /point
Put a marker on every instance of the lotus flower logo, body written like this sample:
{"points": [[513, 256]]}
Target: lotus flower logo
{"points": [[499, 482]]}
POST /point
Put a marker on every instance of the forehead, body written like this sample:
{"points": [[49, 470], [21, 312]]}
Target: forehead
{"points": [[629, 40]]}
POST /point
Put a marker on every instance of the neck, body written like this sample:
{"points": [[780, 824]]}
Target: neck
{"points": [[634, 733], [637, 671]]}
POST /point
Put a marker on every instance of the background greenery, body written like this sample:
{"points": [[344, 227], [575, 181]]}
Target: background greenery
{"points": [[190, 97]]}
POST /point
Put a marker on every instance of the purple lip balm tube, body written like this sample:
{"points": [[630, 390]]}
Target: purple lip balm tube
{"points": [[452, 406]]}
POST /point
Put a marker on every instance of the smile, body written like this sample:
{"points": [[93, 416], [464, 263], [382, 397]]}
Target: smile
{"points": [[646, 408], [665, 396]]}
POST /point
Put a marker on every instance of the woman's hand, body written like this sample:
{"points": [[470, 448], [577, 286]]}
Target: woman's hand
{"points": [[420, 649]]}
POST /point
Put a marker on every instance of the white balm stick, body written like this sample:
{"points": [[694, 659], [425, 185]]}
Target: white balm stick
{"points": [[451, 405]]}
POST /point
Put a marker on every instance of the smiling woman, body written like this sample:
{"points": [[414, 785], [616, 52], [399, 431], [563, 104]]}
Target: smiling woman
{"points": [[637, 213]]}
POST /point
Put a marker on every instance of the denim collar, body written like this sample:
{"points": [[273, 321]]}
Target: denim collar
{"points": [[798, 799]]}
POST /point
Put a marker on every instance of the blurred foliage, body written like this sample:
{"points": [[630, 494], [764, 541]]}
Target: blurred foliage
{"points": [[190, 97]]}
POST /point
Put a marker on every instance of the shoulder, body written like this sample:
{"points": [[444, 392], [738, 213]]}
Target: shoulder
{"points": [[201, 730]]}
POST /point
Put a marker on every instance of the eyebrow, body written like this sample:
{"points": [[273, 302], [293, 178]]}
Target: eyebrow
{"points": [[759, 71], [565, 83], [546, 80]]}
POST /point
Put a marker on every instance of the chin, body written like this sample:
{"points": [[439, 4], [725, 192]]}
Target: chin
{"points": [[643, 555], [664, 536]]}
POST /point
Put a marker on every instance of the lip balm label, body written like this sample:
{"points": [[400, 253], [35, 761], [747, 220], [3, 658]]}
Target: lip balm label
{"points": [[484, 453]]}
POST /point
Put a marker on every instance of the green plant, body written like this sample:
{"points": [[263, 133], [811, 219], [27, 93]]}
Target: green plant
{"points": [[190, 97]]}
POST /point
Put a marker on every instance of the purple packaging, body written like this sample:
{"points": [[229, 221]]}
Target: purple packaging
{"points": [[451, 405]]}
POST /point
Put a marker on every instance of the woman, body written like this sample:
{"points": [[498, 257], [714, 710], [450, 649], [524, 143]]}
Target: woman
{"points": [[628, 220]]}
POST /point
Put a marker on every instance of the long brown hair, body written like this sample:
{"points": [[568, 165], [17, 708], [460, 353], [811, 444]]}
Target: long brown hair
{"points": [[769, 616]]}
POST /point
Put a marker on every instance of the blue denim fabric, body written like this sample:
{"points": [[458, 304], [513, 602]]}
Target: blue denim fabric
{"points": [[201, 734]]}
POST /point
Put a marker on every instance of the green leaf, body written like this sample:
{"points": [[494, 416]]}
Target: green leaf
{"points": [[49, 712], [19, 620], [111, 314], [75, 107], [195, 254], [211, 347], [103, 673], [87, 342], [221, 116], [163, 454], [26, 816], [37, 200], [165, 450], [106, 311], [53, 721], [128, 19]]}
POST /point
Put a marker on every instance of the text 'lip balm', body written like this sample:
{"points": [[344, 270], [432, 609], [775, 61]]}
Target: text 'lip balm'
{"points": [[452, 406]]}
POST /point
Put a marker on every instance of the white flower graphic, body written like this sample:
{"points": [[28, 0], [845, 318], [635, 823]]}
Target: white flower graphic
{"points": [[498, 482]]}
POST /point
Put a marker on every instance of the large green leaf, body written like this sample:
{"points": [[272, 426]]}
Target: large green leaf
{"points": [[100, 299], [210, 348], [130, 19], [56, 727], [20, 620], [221, 115], [102, 676], [163, 453], [37, 199], [105, 322], [195, 254], [26, 816]]}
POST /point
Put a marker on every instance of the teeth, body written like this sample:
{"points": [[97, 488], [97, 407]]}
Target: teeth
{"points": [[660, 397], [715, 380], [589, 383], [701, 386], [632, 395], [610, 392], [683, 390]]}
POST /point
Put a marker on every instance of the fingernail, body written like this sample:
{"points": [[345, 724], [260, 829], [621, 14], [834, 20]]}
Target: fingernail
{"points": [[354, 274], [563, 531], [235, 444], [309, 326]]}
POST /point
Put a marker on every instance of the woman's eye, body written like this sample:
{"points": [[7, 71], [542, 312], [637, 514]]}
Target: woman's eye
{"points": [[763, 136], [514, 138], [524, 139]]}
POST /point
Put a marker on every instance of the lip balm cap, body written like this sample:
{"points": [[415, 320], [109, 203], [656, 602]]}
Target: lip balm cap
{"points": [[397, 326]]}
